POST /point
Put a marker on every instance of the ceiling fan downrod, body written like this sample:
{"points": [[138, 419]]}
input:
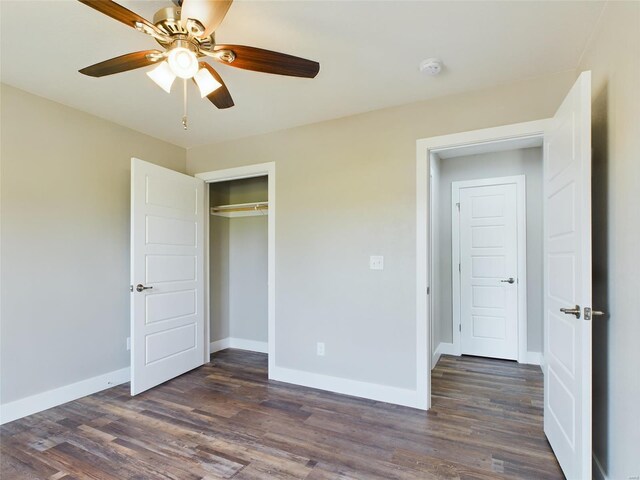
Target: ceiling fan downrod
{"points": [[184, 97]]}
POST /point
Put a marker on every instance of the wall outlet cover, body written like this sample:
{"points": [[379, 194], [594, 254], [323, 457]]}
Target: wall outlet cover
{"points": [[320, 349], [376, 262]]}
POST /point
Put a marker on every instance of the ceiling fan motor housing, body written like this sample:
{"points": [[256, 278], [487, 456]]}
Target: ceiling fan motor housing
{"points": [[168, 20]]}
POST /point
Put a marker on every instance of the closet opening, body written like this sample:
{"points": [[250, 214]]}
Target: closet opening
{"points": [[239, 264]]}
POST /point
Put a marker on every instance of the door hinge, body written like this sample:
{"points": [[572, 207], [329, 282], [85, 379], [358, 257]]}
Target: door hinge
{"points": [[459, 327], [428, 290], [458, 205], [459, 267]]}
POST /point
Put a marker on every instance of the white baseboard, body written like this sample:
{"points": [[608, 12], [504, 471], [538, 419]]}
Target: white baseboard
{"points": [[598, 471], [355, 388], [251, 345], [239, 343], [435, 356], [534, 358], [42, 401], [442, 349], [218, 345]]}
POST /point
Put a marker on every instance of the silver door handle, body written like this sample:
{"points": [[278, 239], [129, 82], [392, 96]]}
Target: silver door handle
{"points": [[572, 311], [141, 287], [508, 280]]}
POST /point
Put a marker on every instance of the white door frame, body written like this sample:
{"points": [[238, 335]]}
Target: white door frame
{"points": [[519, 181], [237, 173], [424, 148]]}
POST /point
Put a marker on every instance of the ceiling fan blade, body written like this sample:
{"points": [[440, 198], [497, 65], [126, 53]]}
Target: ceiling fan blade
{"points": [[259, 60], [123, 63], [209, 13], [117, 12], [220, 97]]}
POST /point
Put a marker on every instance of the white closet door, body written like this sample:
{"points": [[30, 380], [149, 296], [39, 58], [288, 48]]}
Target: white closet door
{"points": [[167, 260]]}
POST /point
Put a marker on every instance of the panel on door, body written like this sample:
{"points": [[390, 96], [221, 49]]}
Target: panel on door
{"points": [[167, 258], [489, 271], [567, 243]]}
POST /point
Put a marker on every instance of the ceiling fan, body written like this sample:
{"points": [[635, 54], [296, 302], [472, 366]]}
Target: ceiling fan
{"points": [[186, 31]]}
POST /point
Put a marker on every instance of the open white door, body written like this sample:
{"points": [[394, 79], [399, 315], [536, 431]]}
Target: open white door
{"points": [[167, 293], [567, 242]]}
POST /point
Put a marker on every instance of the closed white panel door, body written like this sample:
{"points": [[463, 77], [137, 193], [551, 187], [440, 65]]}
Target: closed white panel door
{"points": [[567, 243], [167, 297], [489, 271]]}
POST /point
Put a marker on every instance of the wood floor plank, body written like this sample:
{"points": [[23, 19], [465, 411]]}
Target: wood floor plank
{"points": [[226, 420]]}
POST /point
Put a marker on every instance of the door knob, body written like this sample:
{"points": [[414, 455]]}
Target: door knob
{"points": [[572, 311], [508, 280], [141, 287]]}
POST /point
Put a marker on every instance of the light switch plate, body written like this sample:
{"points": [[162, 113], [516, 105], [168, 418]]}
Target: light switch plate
{"points": [[376, 262]]}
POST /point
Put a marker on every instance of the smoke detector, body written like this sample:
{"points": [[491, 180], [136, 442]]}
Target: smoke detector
{"points": [[431, 66]]}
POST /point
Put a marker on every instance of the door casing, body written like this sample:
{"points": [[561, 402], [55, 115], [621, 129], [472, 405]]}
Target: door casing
{"points": [[519, 181], [425, 147]]}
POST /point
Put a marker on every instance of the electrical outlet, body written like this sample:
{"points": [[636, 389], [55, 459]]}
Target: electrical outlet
{"points": [[128, 343], [376, 262], [320, 349]]}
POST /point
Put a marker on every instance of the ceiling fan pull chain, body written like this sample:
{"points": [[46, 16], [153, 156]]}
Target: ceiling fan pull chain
{"points": [[184, 96]]}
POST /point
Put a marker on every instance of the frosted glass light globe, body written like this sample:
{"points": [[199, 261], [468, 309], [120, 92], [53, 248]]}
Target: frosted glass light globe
{"points": [[183, 62]]}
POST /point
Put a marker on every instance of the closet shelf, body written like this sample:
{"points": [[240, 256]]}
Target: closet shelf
{"points": [[241, 210]]}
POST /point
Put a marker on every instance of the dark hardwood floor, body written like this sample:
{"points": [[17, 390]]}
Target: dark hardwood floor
{"points": [[225, 420]]}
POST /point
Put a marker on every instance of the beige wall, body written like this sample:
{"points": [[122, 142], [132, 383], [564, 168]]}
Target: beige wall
{"points": [[527, 162], [345, 190], [65, 241], [614, 58]]}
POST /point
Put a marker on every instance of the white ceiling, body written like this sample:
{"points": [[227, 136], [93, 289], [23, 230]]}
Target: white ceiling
{"points": [[369, 52]]}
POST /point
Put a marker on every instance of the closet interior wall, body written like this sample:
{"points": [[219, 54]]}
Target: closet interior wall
{"points": [[238, 264]]}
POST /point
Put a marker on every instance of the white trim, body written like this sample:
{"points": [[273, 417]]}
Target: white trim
{"points": [[250, 171], [240, 344], [533, 358], [521, 225], [251, 345], [443, 348], [598, 471], [42, 401], [207, 279], [355, 388], [455, 271], [424, 147], [435, 357], [218, 345], [423, 317]]}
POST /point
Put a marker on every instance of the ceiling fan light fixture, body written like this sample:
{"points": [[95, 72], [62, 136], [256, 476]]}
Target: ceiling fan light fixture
{"points": [[163, 76], [206, 83], [183, 62]]}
